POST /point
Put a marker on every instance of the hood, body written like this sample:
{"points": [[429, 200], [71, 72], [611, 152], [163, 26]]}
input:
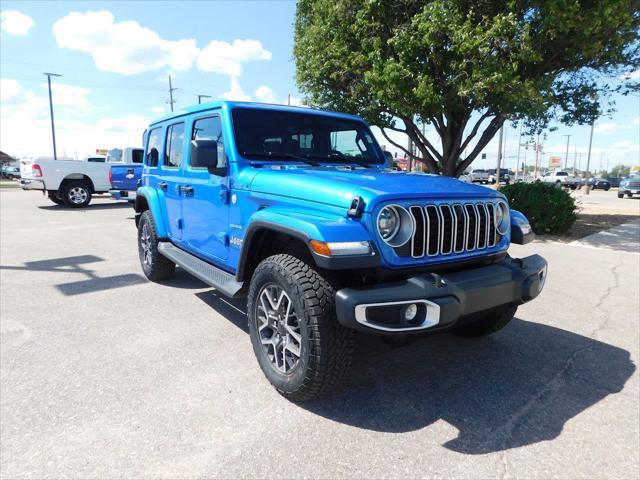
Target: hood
{"points": [[337, 186]]}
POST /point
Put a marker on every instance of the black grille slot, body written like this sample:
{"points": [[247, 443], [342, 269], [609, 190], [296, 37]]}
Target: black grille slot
{"points": [[482, 226], [433, 230], [418, 239], [473, 226], [492, 224], [447, 229], [461, 227]]}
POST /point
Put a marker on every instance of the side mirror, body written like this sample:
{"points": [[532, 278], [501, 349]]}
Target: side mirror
{"points": [[204, 153]]}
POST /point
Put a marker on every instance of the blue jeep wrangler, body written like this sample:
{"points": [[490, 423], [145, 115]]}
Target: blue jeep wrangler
{"points": [[294, 209]]}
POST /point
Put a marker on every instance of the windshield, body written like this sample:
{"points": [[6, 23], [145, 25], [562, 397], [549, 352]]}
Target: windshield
{"points": [[297, 136]]}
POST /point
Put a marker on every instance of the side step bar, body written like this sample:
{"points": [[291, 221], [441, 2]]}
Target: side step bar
{"points": [[219, 279]]}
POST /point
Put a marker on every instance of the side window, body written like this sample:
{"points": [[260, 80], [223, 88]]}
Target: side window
{"points": [[348, 143], [153, 147], [210, 128], [173, 145], [136, 155]]}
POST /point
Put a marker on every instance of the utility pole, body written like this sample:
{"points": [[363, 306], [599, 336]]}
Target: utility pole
{"points": [[200, 97], [585, 187], [519, 145], [289, 99], [566, 153], [499, 155], [171, 100], [535, 173], [53, 128]]}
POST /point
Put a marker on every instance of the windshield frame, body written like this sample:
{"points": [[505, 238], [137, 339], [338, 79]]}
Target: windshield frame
{"points": [[377, 160]]}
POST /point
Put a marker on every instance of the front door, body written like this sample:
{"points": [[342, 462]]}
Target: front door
{"points": [[205, 201]]}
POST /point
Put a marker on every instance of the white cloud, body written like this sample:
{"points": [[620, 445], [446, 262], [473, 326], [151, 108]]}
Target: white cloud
{"points": [[122, 47], [128, 48], [635, 75], [264, 94], [227, 58], [15, 22], [605, 128], [235, 92], [9, 88], [68, 95], [158, 109]]}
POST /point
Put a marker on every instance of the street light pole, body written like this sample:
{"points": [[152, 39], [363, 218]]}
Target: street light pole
{"points": [[499, 155], [566, 153], [53, 129], [585, 187], [200, 97]]}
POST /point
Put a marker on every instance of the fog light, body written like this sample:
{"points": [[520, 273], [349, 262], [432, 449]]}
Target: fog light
{"points": [[410, 312]]}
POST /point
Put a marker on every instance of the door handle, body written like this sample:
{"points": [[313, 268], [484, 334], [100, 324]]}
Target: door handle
{"points": [[186, 189], [163, 185]]}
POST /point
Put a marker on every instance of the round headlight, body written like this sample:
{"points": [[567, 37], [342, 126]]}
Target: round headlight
{"points": [[388, 222], [502, 218], [395, 225]]}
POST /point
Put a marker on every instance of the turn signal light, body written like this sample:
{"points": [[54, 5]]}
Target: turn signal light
{"points": [[336, 249]]}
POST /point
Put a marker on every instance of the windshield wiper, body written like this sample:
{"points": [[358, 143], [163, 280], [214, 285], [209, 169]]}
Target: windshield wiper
{"points": [[345, 159], [276, 155]]}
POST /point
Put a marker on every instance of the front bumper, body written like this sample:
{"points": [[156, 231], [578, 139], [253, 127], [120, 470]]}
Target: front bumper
{"points": [[441, 300]]}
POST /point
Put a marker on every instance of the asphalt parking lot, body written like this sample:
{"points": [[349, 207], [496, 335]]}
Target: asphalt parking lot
{"points": [[105, 375]]}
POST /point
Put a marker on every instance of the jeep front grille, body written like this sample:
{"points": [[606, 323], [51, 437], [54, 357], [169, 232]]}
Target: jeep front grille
{"points": [[446, 229]]}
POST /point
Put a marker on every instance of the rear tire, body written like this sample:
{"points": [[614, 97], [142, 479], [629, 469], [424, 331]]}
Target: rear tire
{"points": [[76, 194], [488, 323], [629, 195], [300, 346], [155, 266], [53, 196]]}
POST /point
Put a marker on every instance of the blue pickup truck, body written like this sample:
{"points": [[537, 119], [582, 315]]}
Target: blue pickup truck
{"points": [[125, 172], [294, 210]]}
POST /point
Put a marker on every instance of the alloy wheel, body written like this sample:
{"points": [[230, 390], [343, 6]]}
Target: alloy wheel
{"points": [[278, 328], [145, 244], [77, 195]]}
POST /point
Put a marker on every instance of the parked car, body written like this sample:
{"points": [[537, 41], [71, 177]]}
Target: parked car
{"points": [[125, 177], [67, 182], [561, 179], [11, 173], [614, 181], [505, 176], [629, 186], [599, 183], [479, 176], [293, 209]]}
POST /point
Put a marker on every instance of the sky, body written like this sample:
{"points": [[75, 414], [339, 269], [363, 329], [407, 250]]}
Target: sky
{"points": [[115, 59]]}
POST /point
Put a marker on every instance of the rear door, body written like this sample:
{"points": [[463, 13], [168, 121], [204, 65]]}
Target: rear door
{"points": [[171, 174], [205, 202]]}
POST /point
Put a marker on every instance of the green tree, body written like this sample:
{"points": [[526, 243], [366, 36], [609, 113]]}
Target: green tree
{"points": [[620, 171], [465, 66]]}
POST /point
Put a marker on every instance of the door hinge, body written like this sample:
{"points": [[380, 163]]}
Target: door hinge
{"points": [[179, 223], [224, 195], [223, 238]]}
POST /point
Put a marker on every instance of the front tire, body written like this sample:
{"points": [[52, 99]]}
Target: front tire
{"points": [[487, 323], [76, 194], [155, 266], [620, 195], [300, 346]]}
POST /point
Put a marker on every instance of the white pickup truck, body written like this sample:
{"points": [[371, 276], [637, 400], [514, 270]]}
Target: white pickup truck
{"points": [[71, 182], [561, 179]]}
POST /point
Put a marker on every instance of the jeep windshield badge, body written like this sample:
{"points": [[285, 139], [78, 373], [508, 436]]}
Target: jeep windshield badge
{"points": [[427, 253]]}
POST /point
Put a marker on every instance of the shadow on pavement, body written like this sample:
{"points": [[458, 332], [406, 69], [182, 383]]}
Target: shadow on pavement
{"points": [[77, 264], [91, 206], [515, 388]]}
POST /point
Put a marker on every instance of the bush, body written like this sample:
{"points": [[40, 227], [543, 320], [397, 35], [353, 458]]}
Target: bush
{"points": [[549, 209]]}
